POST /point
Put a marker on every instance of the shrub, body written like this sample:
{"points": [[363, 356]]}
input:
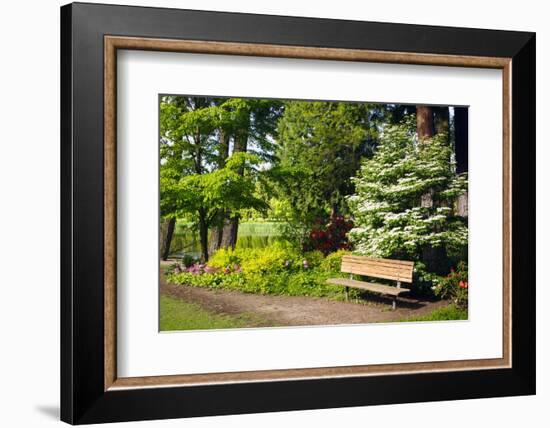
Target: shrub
{"points": [[276, 257], [224, 257], [454, 286], [330, 237], [313, 259], [304, 283], [277, 269], [333, 262], [389, 222], [269, 259], [188, 260], [311, 283]]}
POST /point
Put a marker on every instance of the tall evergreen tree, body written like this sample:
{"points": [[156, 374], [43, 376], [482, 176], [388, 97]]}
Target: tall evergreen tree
{"points": [[320, 145]]}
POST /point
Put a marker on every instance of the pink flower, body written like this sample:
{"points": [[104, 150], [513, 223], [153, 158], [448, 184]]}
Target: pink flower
{"points": [[210, 269]]}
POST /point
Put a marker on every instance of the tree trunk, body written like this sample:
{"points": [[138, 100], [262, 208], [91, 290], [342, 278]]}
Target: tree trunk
{"points": [[203, 236], [462, 205], [441, 121], [230, 231], [425, 129], [214, 243], [427, 200], [223, 151], [231, 223], [216, 233], [166, 233], [424, 122], [433, 257]]}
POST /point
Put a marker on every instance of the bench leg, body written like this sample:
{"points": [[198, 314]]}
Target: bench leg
{"points": [[394, 303], [347, 293]]}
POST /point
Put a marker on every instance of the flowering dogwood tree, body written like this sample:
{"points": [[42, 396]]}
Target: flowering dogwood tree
{"points": [[391, 216]]}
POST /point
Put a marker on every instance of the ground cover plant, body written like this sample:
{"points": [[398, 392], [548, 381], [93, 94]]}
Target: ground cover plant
{"points": [[277, 269]]}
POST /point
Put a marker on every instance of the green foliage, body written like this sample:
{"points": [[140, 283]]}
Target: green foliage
{"points": [[191, 128], [454, 286], [313, 258], [333, 262], [225, 257], [251, 235], [389, 218], [447, 313], [199, 178], [187, 144], [188, 260], [320, 145], [270, 259], [275, 258], [310, 282], [278, 269], [222, 189]]}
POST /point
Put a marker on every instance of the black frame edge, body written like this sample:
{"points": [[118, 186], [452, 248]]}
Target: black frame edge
{"points": [[524, 213], [66, 316], [298, 30]]}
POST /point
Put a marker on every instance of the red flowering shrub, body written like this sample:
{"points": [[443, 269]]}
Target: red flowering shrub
{"points": [[455, 286], [330, 237]]}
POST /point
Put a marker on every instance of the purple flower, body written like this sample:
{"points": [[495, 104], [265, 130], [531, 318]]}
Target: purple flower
{"points": [[305, 264], [196, 269]]}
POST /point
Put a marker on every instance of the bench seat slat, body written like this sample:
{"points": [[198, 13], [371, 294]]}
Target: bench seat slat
{"points": [[404, 275], [396, 270], [379, 288], [384, 262]]}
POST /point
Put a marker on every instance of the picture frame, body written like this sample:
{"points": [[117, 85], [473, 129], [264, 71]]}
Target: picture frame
{"points": [[91, 391]]}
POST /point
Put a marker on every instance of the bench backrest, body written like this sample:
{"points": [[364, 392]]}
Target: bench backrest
{"points": [[397, 270]]}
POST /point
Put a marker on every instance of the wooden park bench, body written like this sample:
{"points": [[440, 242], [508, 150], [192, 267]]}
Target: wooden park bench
{"points": [[395, 270]]}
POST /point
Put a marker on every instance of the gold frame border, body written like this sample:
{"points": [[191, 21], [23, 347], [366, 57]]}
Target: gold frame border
{"points": [[112, 43]]}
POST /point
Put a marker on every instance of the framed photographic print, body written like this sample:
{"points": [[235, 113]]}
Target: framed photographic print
{"points": [[265, 213]]}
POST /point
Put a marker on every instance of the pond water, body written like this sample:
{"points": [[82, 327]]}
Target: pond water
{"points": [[250, 235]]}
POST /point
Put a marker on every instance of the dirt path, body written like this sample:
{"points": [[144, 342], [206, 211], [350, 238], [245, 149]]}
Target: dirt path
{"points": [[291, 310]]}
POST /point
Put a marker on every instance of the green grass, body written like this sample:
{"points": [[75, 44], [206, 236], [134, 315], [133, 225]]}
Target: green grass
{"points": [[260, 229], [447, 313], [255, 234], [178, 315], [246, 228]]}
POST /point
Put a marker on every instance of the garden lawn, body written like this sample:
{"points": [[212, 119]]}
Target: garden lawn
{"points": [[447, 313], [176, 314]]}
